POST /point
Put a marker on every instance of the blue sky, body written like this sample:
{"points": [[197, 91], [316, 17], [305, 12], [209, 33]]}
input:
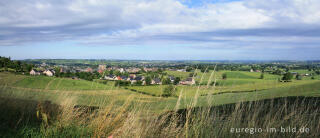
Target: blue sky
{"points": [[161, 29]]}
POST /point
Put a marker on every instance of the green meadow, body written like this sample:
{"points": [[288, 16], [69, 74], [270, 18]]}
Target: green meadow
{"points": [[128, 109], [238, 84], [52, 83], [218, 75]]}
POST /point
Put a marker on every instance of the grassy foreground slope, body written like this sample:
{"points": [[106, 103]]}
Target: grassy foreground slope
{"points": [[96, 94], [123, 113]]}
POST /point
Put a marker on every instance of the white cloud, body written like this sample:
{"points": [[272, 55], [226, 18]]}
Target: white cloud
{"points": [[133, 22], [289, 11]]}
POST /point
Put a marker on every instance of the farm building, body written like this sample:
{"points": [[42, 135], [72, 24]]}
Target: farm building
{"points": [[34, 72], [110, 77], [49, 72], [125, 78], [171, 78], [156, 81], [188, 81]]}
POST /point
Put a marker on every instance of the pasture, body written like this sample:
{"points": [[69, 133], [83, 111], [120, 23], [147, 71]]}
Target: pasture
{"points": [[240, 86], [122, 109], [53, 83]]}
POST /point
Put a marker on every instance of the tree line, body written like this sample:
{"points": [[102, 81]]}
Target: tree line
{"points": [[6, 64]]}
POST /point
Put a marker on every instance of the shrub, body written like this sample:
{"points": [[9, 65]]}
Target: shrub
{"points": [[121, 83], [298, 77], [224, 76], [262, 76], [287, 77], [217, 83], [176, 80], [168, 91]]}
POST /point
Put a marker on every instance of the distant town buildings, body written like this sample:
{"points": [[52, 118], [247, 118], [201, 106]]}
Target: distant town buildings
{"points": [[102, 68], [89, 70], [121, 70], [150, 69], [133, 70]]}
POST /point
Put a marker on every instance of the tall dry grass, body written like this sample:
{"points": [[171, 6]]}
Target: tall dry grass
{"points": [[230, 120]]}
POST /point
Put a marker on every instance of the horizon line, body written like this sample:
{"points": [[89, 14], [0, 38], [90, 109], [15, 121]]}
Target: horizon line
{"points": [[169, 59]]}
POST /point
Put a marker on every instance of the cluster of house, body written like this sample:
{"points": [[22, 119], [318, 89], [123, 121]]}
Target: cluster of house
{"points": [[133, 78], [65, 69], [48, 72], [150, 69], [102, 68]]}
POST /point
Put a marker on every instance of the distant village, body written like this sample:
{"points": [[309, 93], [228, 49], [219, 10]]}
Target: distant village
{"points": [[156, 74], [134, 75], [151, 72]]}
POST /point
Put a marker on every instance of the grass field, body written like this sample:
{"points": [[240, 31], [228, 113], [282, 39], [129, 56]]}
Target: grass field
{"points": [[218, 74], [51, 83], [92, 93], [133, 107], [237, 81]]}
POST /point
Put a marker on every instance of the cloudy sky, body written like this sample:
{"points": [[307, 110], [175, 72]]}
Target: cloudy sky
{"points": [[161, 29]]}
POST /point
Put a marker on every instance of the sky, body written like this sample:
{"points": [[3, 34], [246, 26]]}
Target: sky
{"points": [[160, 29]]}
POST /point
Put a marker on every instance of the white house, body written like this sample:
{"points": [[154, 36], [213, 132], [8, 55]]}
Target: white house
{"points": [[121, 70], [49, 72], [34, 72], [110, 77]]}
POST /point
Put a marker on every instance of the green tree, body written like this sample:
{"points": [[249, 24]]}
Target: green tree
{"points": [[192, 74], [159, 70], [148, 80], [168, 91], [188, 69], [224, 76], [142, 70], [117, 73], [111, 72], [298, 77], [166, 80], [287, 76], [57, 71], [203, 70], [139, 83], [277, 72], [262, 76], [176, 80]]}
